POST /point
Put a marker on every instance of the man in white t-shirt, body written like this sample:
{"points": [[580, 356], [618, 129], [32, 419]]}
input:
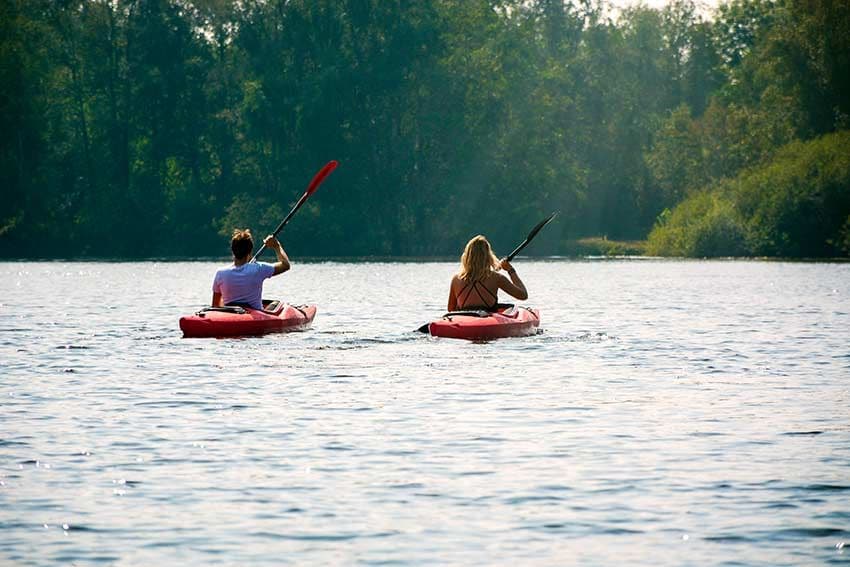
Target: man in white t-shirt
{"points": [[242, 283]]}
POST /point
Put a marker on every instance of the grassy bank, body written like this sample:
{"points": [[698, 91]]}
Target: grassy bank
{"points": [[602, 246]]}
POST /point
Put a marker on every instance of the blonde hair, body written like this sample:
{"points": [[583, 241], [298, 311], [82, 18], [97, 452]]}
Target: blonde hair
{"points": [[477, 260]]}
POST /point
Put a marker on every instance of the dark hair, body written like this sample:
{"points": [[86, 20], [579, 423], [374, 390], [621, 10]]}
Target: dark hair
{"points": [[241, 244]]}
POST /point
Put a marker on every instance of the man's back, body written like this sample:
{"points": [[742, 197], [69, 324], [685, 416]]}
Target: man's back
{"points": [[243, 284]]}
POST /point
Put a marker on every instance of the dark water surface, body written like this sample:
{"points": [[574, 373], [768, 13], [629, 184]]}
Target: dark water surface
{"points": [[670, 413]]}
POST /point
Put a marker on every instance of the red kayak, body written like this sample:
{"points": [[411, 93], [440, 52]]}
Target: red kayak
{"points": [[235, 321], [506, 321]]}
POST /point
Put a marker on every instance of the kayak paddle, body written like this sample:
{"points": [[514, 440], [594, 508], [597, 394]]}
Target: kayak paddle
{"points": [[531, 236], [517, 250], [314, 184]]}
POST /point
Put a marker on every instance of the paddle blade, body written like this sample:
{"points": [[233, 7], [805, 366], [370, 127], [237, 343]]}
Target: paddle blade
{"points": [[531, 235], [314, 184], [319, 177], [540, 225]]}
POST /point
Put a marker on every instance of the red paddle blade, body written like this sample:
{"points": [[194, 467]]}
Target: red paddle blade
{"points": [[324, 172]]}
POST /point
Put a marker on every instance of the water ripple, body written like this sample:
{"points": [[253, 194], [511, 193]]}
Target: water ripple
{"points": [[670, 412]]}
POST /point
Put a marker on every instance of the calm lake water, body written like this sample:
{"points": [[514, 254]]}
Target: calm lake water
{"points": [[671, 412]]}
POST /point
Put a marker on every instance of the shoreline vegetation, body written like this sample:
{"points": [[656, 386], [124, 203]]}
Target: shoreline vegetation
{"points": [[139, 129], [602, 246], [795, 205], [593, 249]]}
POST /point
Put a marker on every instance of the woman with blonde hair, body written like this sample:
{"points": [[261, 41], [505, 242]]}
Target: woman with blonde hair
{"points": [[477, 284]]}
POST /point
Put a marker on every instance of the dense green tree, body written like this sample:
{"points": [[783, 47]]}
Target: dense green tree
{"points": [[739, 25], [154, 127], [21, 109], [676, 160], [796, 205]]}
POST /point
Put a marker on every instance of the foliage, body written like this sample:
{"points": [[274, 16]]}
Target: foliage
{"points": [[843, 242], [797, 205], [703, 225], [134, 128], [676, 160], [602, 246]]}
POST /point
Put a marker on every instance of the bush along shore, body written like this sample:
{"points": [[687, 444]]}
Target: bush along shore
{"points": [[796, 205]]}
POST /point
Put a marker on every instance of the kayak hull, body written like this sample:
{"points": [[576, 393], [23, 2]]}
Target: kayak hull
{"points": [[240, 322], [480, 325]]}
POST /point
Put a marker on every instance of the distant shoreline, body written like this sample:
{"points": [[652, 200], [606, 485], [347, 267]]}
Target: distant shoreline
{"points": [[601, 255]]}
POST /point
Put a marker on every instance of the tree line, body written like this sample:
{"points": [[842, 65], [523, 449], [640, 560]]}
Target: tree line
{"points": [[147, 128]]}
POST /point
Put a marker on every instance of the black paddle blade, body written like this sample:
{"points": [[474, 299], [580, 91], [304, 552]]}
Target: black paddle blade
{"points": [[531, 235], [541, 224]]}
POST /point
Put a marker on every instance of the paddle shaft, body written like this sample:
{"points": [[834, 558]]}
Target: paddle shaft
{"points": [[281, 225], [314, 184]]}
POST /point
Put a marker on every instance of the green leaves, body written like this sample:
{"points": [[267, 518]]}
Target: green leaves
{"points": [[136, 127], [796, 205]]}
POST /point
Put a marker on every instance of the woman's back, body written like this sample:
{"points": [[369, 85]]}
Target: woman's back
{"points": [[476, 294]]}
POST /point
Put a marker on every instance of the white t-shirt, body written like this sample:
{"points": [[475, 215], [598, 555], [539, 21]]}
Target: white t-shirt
{"points": [[243, 284]]}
